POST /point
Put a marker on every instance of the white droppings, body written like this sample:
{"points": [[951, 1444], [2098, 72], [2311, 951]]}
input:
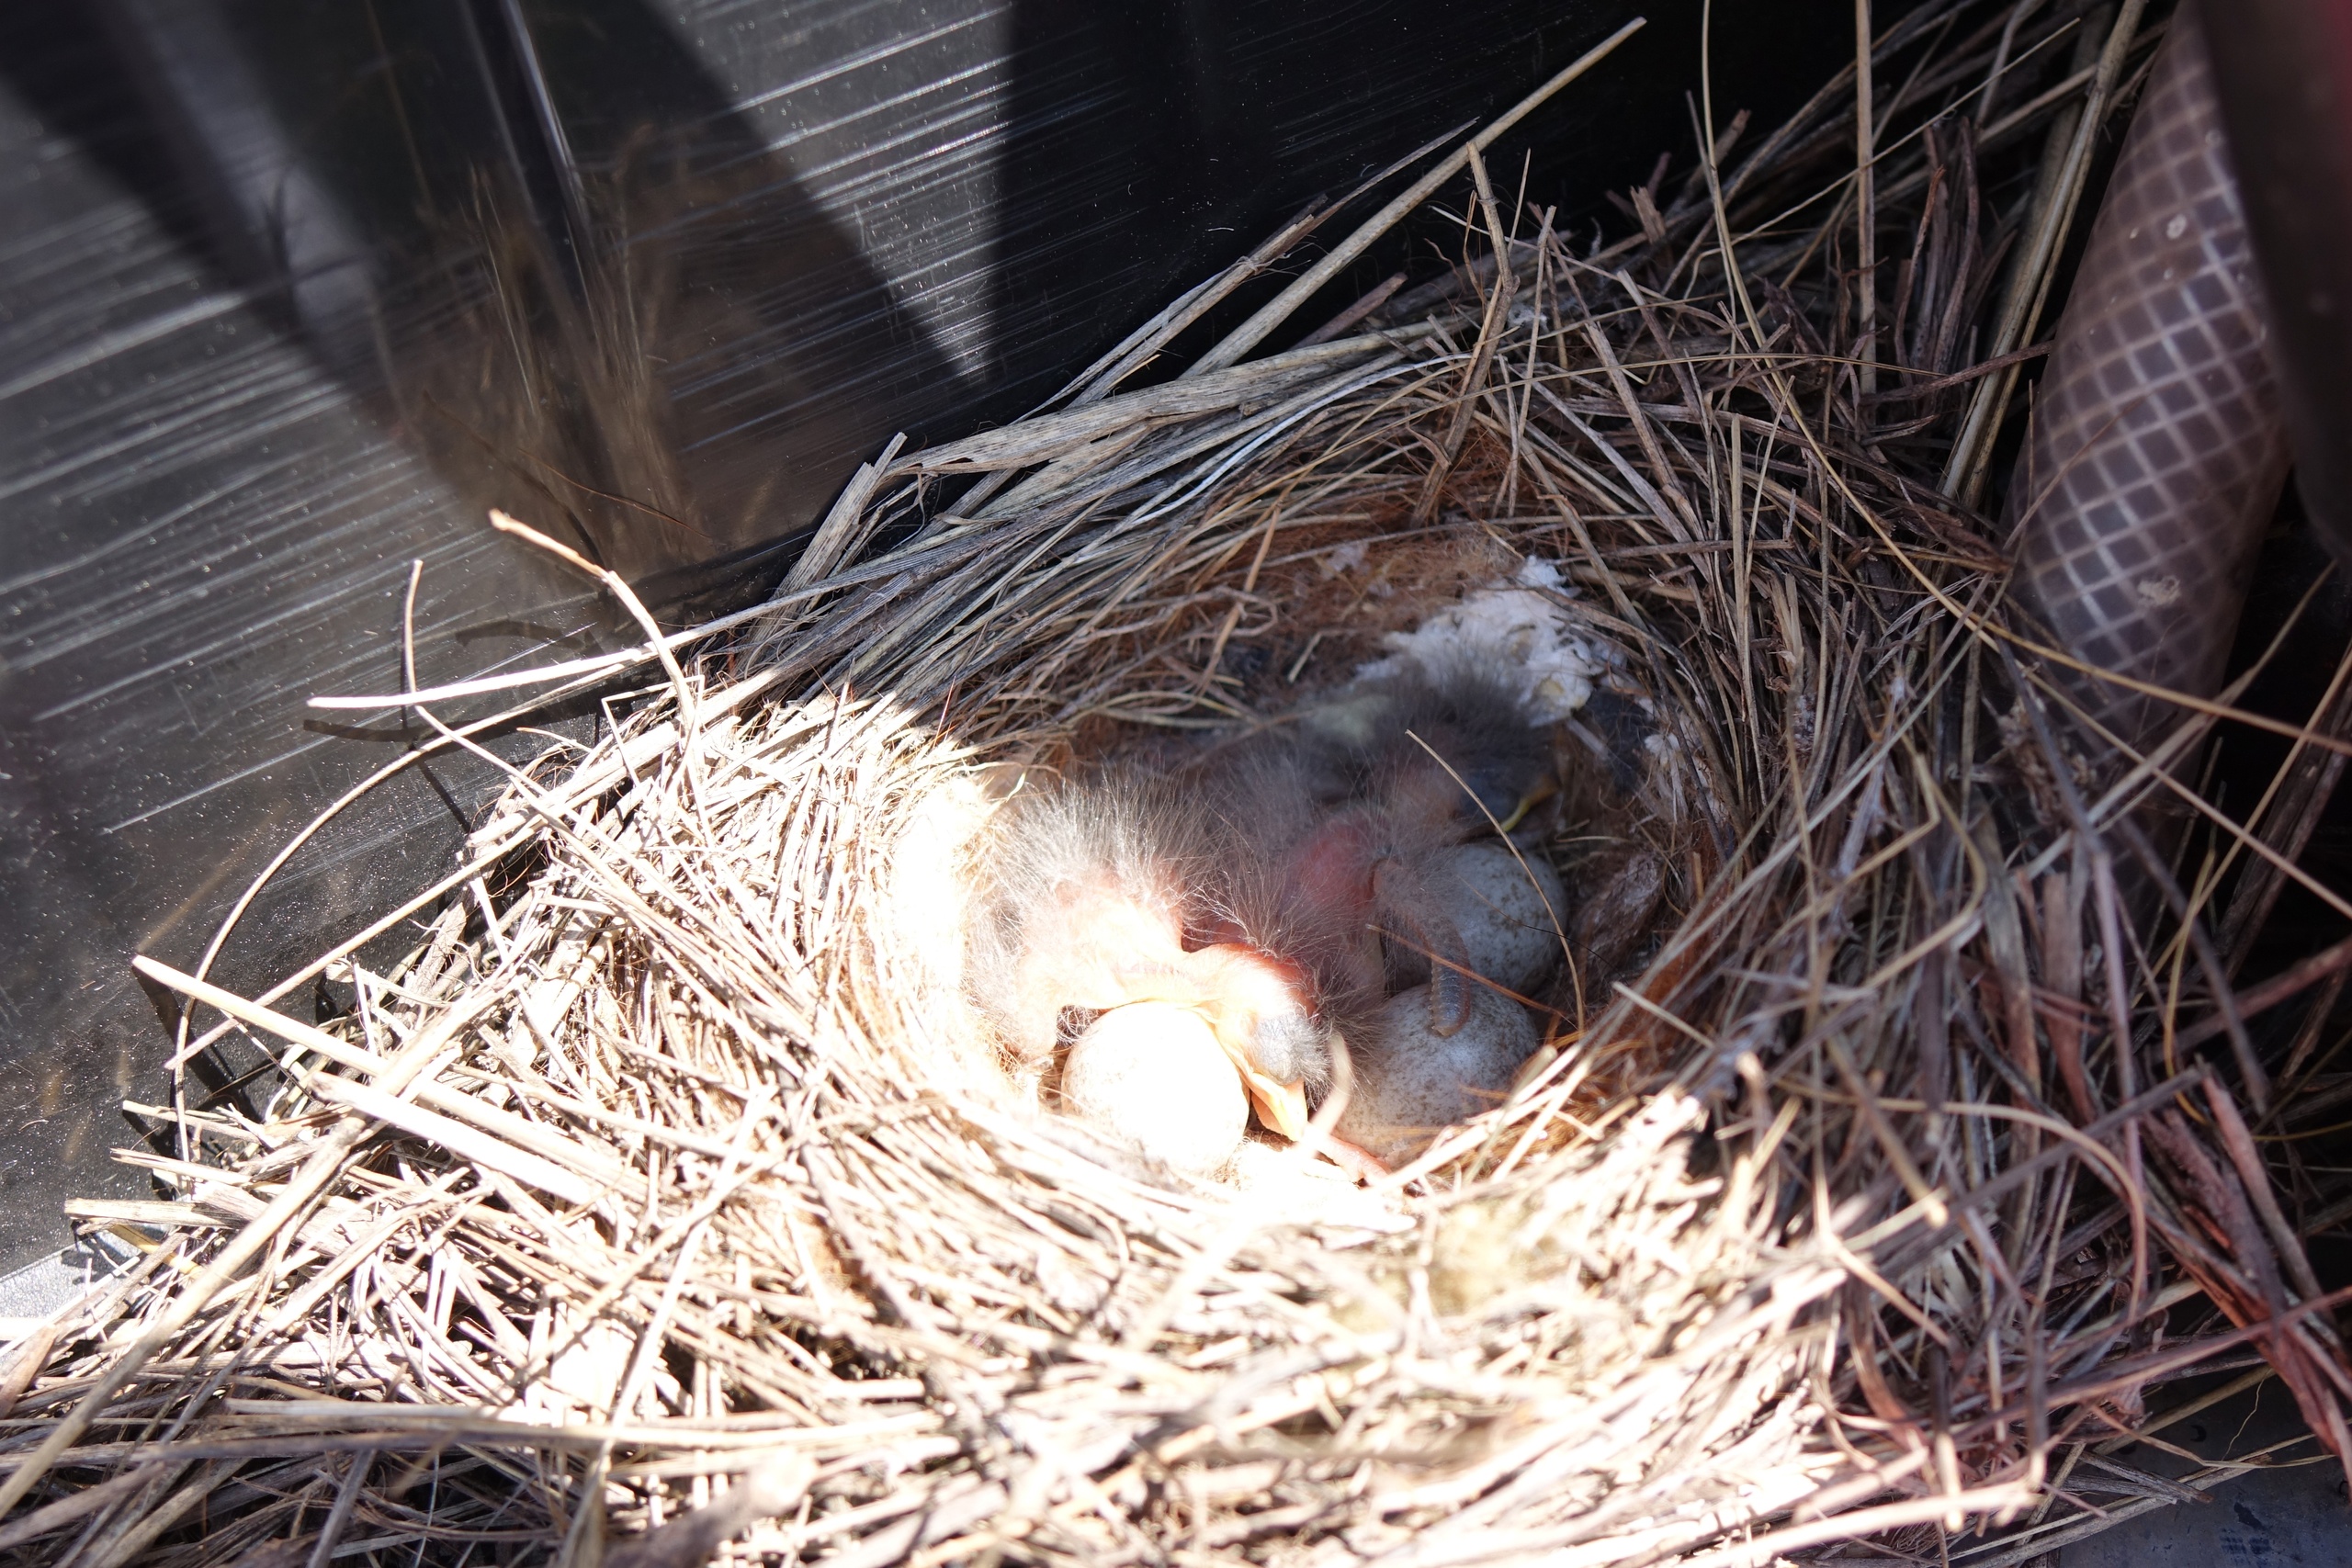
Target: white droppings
{"points": [[1517, 623]]}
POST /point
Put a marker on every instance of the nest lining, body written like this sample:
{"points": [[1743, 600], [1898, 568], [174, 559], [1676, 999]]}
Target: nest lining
{"points": [[667, 1187]]}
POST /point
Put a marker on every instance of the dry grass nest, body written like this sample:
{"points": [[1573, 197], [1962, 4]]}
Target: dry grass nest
{"points": [[1889, 1148]]}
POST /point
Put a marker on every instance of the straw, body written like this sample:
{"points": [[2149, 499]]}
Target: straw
{"points": [[666, 1197]]}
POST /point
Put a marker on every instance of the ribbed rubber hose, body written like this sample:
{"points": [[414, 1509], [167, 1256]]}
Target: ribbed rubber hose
{"points": [[2157, 446]]}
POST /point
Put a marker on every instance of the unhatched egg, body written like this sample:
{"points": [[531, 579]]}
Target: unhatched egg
{"points": [[1152, 1074], [1506, 924], [1509, 914], [1411, 1082]]}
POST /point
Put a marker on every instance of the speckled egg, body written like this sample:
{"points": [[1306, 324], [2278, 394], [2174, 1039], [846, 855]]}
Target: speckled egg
{"points": [[1412, 1082], [1505, 922], [1152, 1076], [1509, 914]]}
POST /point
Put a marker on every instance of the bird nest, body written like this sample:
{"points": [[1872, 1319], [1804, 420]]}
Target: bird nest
{"points": [[671, 1197]]}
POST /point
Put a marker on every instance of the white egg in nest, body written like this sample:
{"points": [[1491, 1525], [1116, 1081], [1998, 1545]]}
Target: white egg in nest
{"points": [[1505, 913], [1152, 1076], [1411, 1082]]}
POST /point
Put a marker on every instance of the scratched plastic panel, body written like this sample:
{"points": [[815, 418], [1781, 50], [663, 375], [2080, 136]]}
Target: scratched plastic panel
{"points": [[943, 207], [199, 526], [2157, 449], [940, 209]]}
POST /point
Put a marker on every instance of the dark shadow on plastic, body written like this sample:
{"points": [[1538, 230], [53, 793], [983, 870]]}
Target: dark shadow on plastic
{"points": [[1151, 144]]}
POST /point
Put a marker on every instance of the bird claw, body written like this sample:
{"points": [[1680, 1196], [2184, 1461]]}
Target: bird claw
{"points": [[1359, 1163], [1449, 1002]]}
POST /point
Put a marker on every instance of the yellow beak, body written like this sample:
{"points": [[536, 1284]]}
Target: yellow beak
{"points": [[1534, 799], [1281, 1107]]}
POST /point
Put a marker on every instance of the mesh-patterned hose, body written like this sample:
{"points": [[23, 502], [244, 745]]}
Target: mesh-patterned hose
{"points": [[2157, 448]]}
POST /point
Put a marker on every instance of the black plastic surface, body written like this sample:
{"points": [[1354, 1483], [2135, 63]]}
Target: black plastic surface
{"points": [[2284, 72], [291, 290]]}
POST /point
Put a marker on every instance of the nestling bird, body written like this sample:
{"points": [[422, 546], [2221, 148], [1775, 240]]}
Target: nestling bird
{"points": [[1277, 893], [1107, 892], [1360, 810]]}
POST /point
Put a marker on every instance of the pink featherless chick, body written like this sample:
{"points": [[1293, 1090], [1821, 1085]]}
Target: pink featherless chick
{"points": [[1400, 775], [1360, 815], [1276, 894]]}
